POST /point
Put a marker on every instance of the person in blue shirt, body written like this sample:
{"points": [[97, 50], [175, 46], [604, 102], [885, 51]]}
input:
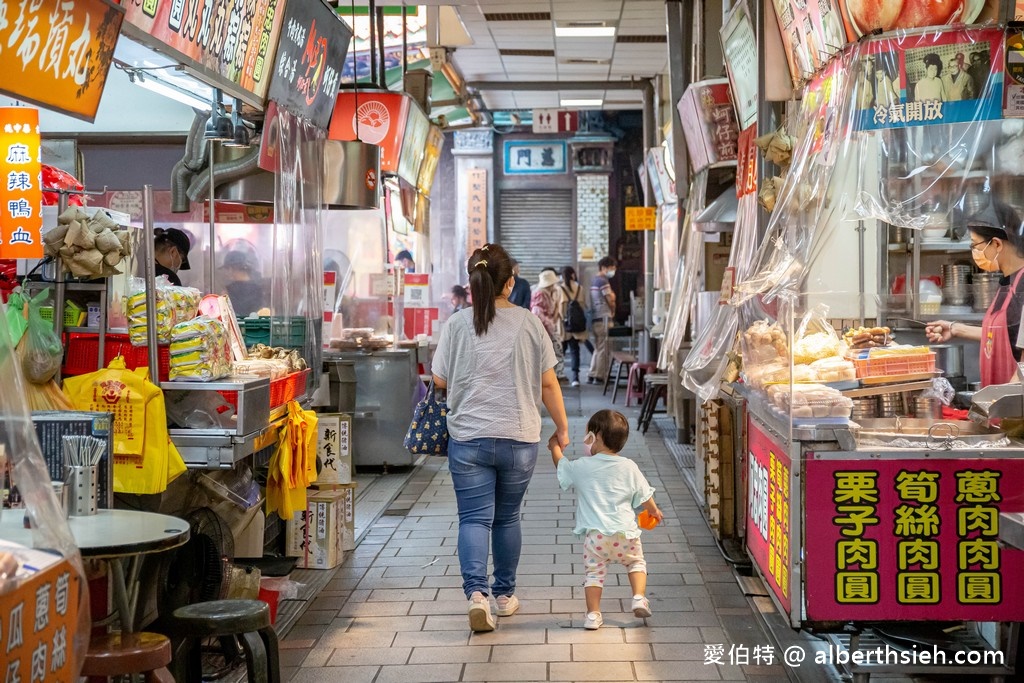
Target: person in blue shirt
{"points": [[608, 488], [521, 293]]}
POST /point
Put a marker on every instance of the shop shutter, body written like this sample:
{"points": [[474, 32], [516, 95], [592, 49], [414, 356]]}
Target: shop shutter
{"points": [[537, 228]]}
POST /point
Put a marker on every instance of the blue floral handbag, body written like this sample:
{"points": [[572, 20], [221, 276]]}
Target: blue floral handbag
{"points": [[428, 433]]}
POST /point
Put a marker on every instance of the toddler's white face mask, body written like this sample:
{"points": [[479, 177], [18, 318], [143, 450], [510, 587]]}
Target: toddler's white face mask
{"points": [[588, 443]]}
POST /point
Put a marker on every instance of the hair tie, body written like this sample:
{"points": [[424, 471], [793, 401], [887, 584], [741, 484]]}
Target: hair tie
{"points": [[484, 248], [481, 262]]}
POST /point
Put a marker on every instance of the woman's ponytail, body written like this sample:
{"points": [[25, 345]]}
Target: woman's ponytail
{"points": [[490, 267]]}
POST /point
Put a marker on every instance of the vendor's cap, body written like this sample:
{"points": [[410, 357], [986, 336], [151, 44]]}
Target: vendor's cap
{"points": [[179, 239], [997, 215], [240, 260], [547, 278]]}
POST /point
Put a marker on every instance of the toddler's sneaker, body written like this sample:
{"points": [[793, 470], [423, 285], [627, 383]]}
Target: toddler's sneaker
{"points": [[593, 621], [507, 605], [641, 607], [480, 618]]}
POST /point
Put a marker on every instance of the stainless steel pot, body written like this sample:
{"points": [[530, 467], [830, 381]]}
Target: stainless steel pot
{"points": [[950, 359]]}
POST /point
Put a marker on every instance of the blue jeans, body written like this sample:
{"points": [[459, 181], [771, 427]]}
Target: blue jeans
{"points": [[490, 478]]}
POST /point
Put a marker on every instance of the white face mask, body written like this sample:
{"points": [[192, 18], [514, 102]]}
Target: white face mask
{"points": [[611, 273], [588, 443]]}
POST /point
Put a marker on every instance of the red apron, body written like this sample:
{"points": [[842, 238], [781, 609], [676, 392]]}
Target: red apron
{"points": [[997, 362]]}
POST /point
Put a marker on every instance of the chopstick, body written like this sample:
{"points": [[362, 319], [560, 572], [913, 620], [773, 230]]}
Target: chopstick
{"points": [[83, 451]]}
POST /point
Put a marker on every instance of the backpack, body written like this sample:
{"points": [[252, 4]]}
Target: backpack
{"points": [[575, 318]]}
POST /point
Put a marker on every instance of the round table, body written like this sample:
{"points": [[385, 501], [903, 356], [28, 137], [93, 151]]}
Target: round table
{"points": [[118, 537]]}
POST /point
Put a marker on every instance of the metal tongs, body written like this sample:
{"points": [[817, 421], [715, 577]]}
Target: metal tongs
{"points": [[942, 442]]}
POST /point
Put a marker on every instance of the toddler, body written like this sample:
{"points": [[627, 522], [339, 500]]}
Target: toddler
{"points": [[608, 488]]}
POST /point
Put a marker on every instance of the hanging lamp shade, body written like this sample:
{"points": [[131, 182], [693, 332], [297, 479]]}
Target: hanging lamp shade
{"points": [[351, 175]]}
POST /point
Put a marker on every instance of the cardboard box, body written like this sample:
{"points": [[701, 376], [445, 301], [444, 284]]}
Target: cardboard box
{"points": [[334, 448], [320, 536], [53, 425]]}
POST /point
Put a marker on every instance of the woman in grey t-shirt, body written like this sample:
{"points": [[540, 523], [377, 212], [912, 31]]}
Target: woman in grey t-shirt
{"points": [[497, 362]]}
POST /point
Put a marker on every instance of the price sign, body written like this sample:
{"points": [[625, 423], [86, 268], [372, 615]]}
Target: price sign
{"points": [[641, 218], [310, 57], [21, 196]]}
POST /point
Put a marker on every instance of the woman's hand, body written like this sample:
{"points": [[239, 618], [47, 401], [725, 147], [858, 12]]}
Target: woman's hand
{"points": [[560, 438], [939, 331]]}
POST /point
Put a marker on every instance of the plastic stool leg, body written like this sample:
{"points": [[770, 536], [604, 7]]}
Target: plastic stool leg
{"points": [[193, 664], [161, 675], [255, 657], [269, 636], [618, 378], [608, 376]]}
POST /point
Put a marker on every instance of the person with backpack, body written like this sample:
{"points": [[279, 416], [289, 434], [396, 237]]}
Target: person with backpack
{"points": [[574, 322]]}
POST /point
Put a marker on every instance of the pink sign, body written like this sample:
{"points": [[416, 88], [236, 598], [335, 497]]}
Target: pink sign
{"points": [[768, 496], [902, 540]]}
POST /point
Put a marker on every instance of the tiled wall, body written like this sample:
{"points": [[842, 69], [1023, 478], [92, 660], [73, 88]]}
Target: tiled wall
{"points": [[592, 215]]}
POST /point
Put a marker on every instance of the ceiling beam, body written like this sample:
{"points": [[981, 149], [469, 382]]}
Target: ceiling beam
{"points": [[551, 86]]}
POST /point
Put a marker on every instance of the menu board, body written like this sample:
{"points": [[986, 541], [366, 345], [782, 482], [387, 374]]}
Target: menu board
{"points": [[431, 156], [812, 32], [57, 52], [233, 40], [21, 196], [417, 127], [739, 45], [310, 58]]}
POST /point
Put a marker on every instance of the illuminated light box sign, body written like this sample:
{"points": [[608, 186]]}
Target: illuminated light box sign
{"points": [[21, 195]]}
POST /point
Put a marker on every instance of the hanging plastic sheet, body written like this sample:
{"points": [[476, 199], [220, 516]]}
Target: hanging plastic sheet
{"points": [[684, 284], [41, 576], [297, 289]]}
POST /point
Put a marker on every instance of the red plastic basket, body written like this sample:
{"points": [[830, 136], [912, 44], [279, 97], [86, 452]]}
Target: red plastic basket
{"points": [[282, 390], [83, 352]]}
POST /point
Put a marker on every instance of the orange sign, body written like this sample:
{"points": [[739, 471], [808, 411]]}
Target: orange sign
{"points": [[641, 218], [476, 210], [234, 39], [39, 621], [21, 194], [56, 53], [431, 155], [380, 118]]}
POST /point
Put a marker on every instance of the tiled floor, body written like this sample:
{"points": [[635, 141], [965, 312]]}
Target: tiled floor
{"points": [[396, 612]]}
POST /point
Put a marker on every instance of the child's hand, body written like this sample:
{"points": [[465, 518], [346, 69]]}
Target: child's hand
{"points": [[657, 514], [554, 446]]}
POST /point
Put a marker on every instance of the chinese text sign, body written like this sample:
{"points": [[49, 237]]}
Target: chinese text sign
{"points": [[476, 209], [523, 158], [912, 540], [768, 497], [21, 196]]}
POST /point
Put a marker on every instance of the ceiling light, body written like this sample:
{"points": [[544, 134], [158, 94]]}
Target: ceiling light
{"points": [[596, 102], [149, 82], [584, 30]]}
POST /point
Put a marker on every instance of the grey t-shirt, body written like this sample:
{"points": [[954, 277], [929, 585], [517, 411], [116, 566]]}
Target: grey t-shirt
{"points": [[494, 381], [599, 288]]}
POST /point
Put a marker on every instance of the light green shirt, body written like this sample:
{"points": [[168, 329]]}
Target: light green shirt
{"points": [[608, 488]]}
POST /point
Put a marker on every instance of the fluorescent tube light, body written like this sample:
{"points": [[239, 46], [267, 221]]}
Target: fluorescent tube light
{"points": [[584, 31], [153, 85], [582, 103]]}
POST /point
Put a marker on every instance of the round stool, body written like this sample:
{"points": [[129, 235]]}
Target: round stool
{"points": [[129, 653], [635, 381], [246, 620]]}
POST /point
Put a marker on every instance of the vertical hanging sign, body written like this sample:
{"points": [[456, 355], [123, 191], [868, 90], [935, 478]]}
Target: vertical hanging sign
{"points": [[21, 196], [476, 210]]}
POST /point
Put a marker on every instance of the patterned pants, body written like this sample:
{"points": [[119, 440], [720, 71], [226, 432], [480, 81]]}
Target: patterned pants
{"points": [[600, 549]]}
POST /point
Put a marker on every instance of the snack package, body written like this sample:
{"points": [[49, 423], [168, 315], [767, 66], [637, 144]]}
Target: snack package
{"points": [[200, 350], [173, 305]]}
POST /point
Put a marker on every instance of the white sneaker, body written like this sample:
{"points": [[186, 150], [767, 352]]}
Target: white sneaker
{"points": [[480, 618], [641, 607], [575, 383], [507, 605], [593, 621]]}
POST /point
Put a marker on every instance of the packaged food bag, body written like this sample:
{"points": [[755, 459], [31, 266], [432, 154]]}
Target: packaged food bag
{"points": [[40, 349], [200, 350]]}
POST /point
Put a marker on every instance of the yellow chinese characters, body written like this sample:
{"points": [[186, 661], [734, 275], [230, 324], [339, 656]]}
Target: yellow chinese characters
{"points": [[778, 522], [979, 581], [855, 496], [917, 525]]}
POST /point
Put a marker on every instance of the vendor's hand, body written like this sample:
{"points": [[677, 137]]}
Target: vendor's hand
{"points": [[939, 331]]}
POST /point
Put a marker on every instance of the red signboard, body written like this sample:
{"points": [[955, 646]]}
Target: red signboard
{"points": [[746, 162], [709, 123], [56, 53], [380, 118], [235, 40], [913, 539], [21, 196], [864, 16], [768, 498]]}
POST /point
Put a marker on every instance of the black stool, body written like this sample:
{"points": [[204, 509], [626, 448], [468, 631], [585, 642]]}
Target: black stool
{"points": [[246, 620], [620, 362], [655, 389]]}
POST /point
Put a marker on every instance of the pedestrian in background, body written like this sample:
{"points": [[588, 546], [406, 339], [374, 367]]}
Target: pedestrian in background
{"points": [[602, 301], [546, 304], [520, 295], [460, 298], [497, 363], [574, 322]]}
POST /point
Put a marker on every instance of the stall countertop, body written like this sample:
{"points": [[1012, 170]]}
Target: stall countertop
{"points": [[108, 533], [1011, 529]]}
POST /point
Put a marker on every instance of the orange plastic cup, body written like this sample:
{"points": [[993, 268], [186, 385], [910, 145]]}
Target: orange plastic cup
{"points": [[646, 520]]}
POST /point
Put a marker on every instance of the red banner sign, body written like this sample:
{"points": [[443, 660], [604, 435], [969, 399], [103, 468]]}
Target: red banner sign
{"points": [[901, 540], [56, 53], [233, 39], [768, 497], [380, 119], [21, 195]]}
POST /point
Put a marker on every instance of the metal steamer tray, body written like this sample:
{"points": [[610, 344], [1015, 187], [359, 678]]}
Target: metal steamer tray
{"points": [[931, 434]]}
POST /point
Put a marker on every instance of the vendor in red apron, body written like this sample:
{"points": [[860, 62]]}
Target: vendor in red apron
{"points": [[997, 244]]}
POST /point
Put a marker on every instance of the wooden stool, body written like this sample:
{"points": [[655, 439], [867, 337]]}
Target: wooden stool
{"points": [[246, 620], [129, 653], [620, 361], [655, 389], [635, 382]]}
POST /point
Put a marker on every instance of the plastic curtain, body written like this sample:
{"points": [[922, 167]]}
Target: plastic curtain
{"points": [[28, 471], [684, 285], [298, 274]]}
